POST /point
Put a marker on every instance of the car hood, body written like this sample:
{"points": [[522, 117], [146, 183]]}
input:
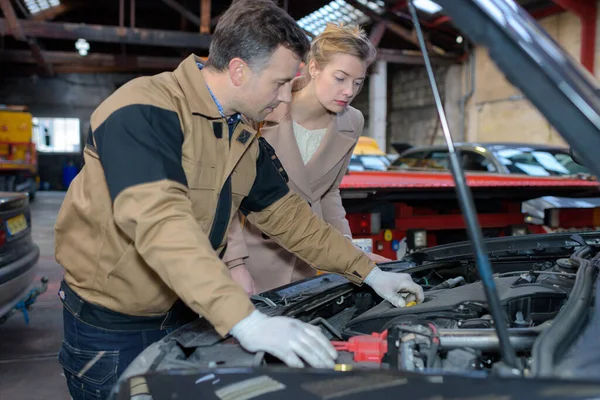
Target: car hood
{"points": [[307, 384]]}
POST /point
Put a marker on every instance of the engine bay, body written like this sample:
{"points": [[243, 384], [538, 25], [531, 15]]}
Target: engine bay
{"points": [[451, 330]]}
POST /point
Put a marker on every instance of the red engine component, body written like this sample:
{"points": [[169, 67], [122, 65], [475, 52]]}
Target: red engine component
{"points": [[367, 348]]}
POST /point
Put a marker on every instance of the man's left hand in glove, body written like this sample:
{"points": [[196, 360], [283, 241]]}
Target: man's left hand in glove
{"points": [[397, 288]]}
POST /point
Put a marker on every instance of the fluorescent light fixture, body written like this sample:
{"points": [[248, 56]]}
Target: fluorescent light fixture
{"points": [[339, 11], [35, 6], [428, 6]]}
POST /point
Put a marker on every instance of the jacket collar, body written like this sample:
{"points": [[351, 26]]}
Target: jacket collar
{"points": [[194, 88]]}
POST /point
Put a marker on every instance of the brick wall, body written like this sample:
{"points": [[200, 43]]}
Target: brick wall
{"points": [[412, 116]]}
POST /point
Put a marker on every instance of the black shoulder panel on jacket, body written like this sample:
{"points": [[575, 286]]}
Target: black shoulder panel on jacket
{"points": [[140, 144], [271, 180]]}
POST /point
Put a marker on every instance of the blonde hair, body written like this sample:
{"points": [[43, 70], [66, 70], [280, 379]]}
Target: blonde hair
{"points": [[335, 39]]}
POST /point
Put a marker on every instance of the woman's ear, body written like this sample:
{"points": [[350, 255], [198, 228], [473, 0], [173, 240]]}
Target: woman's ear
{"points": [[313, 69]]}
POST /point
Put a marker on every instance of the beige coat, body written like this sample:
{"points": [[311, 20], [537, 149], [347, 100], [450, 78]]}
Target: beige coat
{"points": [[318, 183]]}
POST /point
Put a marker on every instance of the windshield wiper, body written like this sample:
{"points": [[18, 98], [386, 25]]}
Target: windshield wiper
{"points": [[467, 206]]}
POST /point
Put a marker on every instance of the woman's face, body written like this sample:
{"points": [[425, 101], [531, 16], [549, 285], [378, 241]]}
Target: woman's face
{"points": [[338, 82]]}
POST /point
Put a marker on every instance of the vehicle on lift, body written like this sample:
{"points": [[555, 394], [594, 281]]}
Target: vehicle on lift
{"points": [[509, 158], [18, 257], [543, 294], [18, 154], [503, 158]]}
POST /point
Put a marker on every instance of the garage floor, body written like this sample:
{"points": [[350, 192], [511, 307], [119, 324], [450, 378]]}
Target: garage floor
{"points": [[28, 353]]}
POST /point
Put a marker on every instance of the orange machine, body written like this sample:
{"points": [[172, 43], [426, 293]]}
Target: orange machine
{"points": [[18, 155]]}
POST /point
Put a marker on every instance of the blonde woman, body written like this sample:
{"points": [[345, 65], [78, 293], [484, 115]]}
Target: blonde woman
{"points": [[314, 137]]}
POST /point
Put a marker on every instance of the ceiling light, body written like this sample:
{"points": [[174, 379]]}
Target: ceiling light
{"points": [[82, 47], [428, 6], [35, 6]]}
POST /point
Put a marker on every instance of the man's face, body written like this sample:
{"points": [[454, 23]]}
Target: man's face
{"points": [[263, 90]]}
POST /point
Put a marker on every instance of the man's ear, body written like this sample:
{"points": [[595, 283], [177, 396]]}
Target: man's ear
{"points": [[239, 72]]}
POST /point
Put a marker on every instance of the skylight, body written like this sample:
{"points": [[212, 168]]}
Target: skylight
{"points": [[338, 11], [428, 6], [35, 6]]}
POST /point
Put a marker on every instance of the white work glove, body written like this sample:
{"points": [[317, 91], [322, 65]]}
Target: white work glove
{"points": [[285, 338], [397, 288]]}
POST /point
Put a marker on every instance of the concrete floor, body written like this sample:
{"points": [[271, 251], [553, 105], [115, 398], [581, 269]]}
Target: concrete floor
{"points": [[29, 369]]}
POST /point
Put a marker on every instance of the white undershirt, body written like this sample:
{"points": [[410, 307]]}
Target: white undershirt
{"points": [[308, 141]]}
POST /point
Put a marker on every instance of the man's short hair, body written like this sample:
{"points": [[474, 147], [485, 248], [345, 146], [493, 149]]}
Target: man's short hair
{"points": [[252, 30]]}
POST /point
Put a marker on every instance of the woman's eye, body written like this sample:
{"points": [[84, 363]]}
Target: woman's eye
{"points": [[339, 79], [358, 84]]}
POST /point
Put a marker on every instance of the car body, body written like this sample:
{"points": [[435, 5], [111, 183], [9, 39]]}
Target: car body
{"points": [[18, 253], [502, 158], [535, 160], [446, 347]]}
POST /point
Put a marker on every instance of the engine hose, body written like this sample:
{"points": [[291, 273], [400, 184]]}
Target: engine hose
{"points": [[566, 326]]}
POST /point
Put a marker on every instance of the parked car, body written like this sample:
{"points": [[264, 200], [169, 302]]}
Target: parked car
{"points": [[368, 156], [547, 287], [506, 158], [18, 253], [503, 158]]}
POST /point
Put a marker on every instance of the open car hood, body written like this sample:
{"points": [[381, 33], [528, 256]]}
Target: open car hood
{"points": [[560, 88]]}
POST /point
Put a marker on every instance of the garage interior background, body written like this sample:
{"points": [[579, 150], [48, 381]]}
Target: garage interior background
{"points": [[40, 66]]}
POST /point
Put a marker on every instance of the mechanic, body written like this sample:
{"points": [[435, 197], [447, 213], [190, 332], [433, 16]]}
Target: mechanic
{"points": [[168, 161]]}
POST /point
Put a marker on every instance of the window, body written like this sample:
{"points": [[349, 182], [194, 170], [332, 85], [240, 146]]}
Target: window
{"points": [[538, 162], [57, 135], [472, 161], [411, 160]]}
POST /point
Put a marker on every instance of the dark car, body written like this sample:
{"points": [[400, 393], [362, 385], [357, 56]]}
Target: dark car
{"points": [[506, 158], [546, 302], [18, 253]]}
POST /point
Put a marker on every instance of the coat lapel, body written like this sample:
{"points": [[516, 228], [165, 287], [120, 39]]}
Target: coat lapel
{"points": [[281, 137], [338, 140]]}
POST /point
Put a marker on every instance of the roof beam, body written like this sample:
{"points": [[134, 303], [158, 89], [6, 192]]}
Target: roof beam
{"points": [[19, 34], [377, 32], [12, 21], [187, 14], [412, 57], [205, 16], [63, 59], [111, 34]]}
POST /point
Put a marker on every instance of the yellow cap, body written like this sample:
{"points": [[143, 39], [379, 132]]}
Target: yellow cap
{"points": [[412, 303], [342, 367]]}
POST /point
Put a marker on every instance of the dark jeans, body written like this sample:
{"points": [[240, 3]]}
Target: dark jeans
{"points": [[99, 344]]}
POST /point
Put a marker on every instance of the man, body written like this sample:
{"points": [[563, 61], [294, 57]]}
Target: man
{"points": [[168, 162]]}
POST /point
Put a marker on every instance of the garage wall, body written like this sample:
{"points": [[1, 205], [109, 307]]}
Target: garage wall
{"points": [[66, 96], [498, 111]]}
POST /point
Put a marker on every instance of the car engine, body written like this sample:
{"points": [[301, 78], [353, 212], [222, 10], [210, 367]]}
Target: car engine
{"points": [[452, 329]]}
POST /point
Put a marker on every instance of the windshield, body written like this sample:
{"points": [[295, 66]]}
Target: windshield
{"points": [[538, 162], [368, 163]]}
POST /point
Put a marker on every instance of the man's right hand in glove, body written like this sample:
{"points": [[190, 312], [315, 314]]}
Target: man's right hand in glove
{"points": [[285, 338]]}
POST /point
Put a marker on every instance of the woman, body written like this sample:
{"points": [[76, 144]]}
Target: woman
{"points": [[314, 137]]}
